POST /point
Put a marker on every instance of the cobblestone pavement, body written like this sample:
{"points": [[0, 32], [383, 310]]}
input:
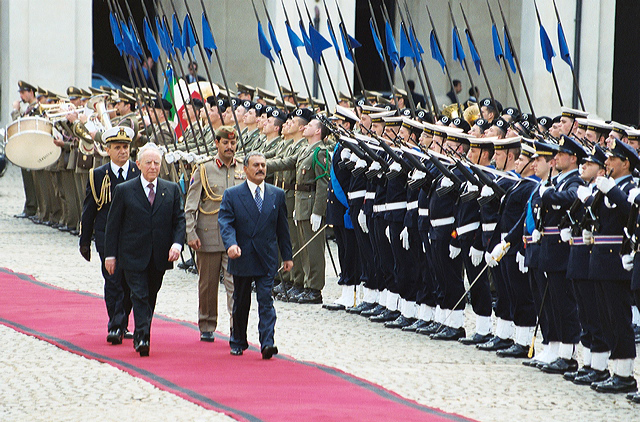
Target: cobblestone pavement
{"points": [[41, 382]]}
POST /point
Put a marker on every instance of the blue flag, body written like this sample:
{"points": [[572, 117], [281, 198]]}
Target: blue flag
{"points": [[507, 52], [129, 48], [318, 43], [294, 40], [418, 50], [274, 41], [497, 47], [164, 38], [208, 43], [436, 54], [137, 48], [474, 53], [307, 41], [376, 40], [352, 41], [115, 32], [188, 38], [334, 41], [177, 37], [151, 41], [265, 48], [458, 51], [547, 49], [406, 49], [564, 48], [392, 50]]}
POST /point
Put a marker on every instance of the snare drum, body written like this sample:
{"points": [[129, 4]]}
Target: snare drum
{"points": [[30, 143]]}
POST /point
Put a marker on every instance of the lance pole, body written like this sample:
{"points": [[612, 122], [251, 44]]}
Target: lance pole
{"points": [[484, 73], [464, 60], [573, 71], [553, 72]]}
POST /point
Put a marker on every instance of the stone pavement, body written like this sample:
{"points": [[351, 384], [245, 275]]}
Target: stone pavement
{"points": [[41, 382]]}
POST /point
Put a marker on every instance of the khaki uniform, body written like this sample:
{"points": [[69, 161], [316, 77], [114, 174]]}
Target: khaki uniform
{"points": [[208, 183], [311, 190], [29, 177], [250, 139]]}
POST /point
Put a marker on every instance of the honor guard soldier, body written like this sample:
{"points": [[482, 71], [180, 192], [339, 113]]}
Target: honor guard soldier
{"points": [[568, 124], [250, 118], [209, 181], [97, 202]]}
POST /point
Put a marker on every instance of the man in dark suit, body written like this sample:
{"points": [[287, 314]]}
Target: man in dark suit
{"points": [[97, 202], [144, 235], [253, 225]]}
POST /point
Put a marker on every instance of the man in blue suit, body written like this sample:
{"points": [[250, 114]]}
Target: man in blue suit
{"points": [[253, 225]]}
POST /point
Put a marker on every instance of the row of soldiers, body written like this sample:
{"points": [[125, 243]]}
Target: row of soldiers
{"points": [[542, 211]]}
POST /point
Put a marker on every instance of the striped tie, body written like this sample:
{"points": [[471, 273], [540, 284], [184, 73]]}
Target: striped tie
{"points": [[258, 199]]}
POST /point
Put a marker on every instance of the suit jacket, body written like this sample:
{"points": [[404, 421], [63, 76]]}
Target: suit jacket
{"points": [[94, 221], [258, 234], [137, 233]]}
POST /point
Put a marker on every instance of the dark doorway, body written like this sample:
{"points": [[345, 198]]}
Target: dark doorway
{"points": [[626, 66]]}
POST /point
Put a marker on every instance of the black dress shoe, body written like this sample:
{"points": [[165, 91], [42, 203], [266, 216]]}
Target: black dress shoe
{"points": [[128, 335], [617, 384], [362, 307], [583, 370], [495, 343], [56, 225], [334, 307], [280, 289], [430, 329], [449, 333], [186, 264], [377, 310], [293, 294], [385, 316], [560, 366], [236, 351], [64, 229], [532, 363], [269, 351], [74, 232], [419, 323], [21, 215], [115, 336], [47, 223], [591, 377], [631, 396], [515, 351], [207, 336], [476, 339], [636, 398], [400, 322], [142, 347], [312, 296]]}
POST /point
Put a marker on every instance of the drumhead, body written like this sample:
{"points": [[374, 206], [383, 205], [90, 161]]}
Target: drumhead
{"points": [[32, 150]]}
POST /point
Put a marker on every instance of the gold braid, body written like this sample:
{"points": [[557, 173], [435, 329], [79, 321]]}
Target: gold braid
{"points": [[208, 193], [105, 190]]}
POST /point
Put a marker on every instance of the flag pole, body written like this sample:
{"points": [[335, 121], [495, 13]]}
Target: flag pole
{"points": [[573, 71], [553, 72]]}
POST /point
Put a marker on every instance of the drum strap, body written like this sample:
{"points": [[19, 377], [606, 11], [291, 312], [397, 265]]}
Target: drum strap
{"points": [[105, 190]]}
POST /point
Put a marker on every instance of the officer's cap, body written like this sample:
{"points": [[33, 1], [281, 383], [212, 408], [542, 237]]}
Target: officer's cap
{"points": [[245, 89], [120, 134], [344, 113], [597, 155], [226, 132], [508, 143], [303, 113], [571, 146], [573, 113], [24, 86], [625, 152], [599, 126]]}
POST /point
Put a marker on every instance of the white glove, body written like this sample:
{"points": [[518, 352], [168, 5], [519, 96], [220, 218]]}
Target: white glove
{"points": [[520, 260], [490, 261], [587, 236], [584, 192], [471, 187], [362, 220], [387, 233], [536, 236], [565, 234], [169, 157], [418, 175], [316, 220], [191, 157], [633, 194], [354, 158], [627, 261], [404, 237], [500, 249], [454, 252], [446, 182], [360, 164], [294, 218], [605, 184], [476, 256], [543, 188], [395, 167], [345, 154], [375, 166], [486, 191]]}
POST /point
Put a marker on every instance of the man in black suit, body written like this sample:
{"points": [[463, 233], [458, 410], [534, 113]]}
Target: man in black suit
{"points": [[144, 236], [253, 225], [97, 202]]}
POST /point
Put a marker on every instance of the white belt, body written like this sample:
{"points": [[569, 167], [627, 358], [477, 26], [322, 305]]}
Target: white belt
{"points": [[467, 228], [423, 211], [396, 206], [379, 208], [443, 221], [412, 205], [357, 194], [489, 227], [370, 195]]}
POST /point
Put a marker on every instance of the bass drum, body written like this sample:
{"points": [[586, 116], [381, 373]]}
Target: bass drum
{"points": [[30, 143]]}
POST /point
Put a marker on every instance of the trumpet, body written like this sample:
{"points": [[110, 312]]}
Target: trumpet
{"points": [[55, 117]]}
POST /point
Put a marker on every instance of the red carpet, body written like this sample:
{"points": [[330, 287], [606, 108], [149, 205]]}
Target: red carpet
{"points": [[246, 388]]}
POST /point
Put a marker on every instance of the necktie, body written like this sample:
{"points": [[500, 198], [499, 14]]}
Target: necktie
{"points": [[152, 194], [258, 199], [120, 177]]}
